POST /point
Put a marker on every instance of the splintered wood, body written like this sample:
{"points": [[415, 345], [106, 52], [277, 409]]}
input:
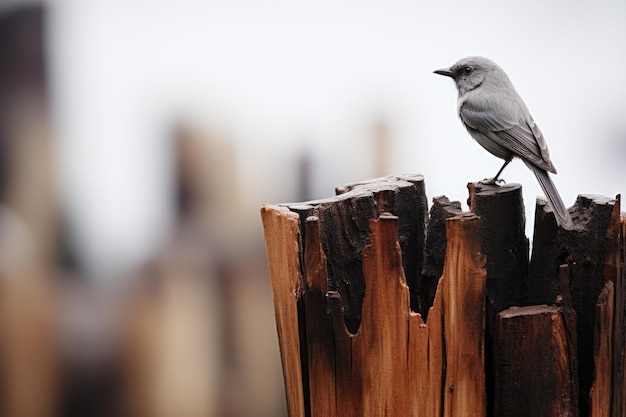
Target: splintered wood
{"points": [[281, 240], [395, 364], [383, 310]]}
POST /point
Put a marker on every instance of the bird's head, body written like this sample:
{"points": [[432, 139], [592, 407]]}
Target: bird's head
{"points": [[471, 72]]}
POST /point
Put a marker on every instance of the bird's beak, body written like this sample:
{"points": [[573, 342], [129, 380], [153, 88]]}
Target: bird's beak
{"points": [[444, 71]]}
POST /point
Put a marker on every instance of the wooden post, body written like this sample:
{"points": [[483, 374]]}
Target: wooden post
{"points": [[592, 251], [281, 239], [602, 387], [30, 357], [374, 320], [533, 373], [505, 246], [393, 363], [435, 250]]}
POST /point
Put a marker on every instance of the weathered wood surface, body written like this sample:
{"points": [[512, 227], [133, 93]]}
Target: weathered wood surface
{"points": [[619, 332], [282, 235], [435, 250], [592, 251], [357, 277], [504, 244], [463, 297], [394, 363], [532, 362], [602, 387], [321, 355], [345, 233]]}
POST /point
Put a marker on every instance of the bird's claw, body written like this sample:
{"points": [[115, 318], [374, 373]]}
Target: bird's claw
{"points": [[492, 181]]}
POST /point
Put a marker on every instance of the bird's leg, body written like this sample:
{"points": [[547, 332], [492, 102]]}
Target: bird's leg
{"points": [[495, 180]]}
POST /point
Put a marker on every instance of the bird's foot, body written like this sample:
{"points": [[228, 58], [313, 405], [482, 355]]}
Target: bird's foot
{"points": [[492, 181]]}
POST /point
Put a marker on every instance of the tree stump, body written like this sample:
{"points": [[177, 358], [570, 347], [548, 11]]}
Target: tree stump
{"points": [[383, 310]]}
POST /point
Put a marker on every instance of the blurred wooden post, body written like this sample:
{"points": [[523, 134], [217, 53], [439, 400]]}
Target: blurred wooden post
{"points": [[29, 310], [355, 278]]}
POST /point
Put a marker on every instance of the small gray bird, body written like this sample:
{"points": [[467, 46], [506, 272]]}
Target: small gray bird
{"points": [[497, 118]]}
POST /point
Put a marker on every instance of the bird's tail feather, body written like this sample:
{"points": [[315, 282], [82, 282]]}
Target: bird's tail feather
{"points": [[560, 211]]}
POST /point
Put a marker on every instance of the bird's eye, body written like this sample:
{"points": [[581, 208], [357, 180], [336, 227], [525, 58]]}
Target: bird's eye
{"points": [[468, 70]]}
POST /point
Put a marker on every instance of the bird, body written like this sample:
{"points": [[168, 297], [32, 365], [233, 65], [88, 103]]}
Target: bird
{"points": [[496, 117]]}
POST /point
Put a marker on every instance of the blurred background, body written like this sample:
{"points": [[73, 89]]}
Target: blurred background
{"points": [[138, 140]]}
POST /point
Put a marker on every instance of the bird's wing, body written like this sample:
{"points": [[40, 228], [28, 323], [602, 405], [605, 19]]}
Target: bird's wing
{"points": [[522, 137], [541, 142]]}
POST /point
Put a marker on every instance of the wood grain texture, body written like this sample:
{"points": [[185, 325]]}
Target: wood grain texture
{"points": [[464, 287], [344, 233], [591, 250], [505, 246], [532, 363], [282, 235], [619, 332], [376, 319], [395, 364], [319, 329], [435, 250], [602, 388]]}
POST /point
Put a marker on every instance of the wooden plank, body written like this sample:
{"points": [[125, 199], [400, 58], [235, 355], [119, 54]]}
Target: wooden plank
{"points": [[345, 233], [319, 329], [380, 348], [615, 268], [532, 362], [426, 361], [446, 354], [619, 336], [398, 365], [602, 389], [371, 374], [335, 238], [370, 354], [282, 234], [435, 250], [504, 244], [391, 363], [405, 197], [591, 251], [464, 304]]}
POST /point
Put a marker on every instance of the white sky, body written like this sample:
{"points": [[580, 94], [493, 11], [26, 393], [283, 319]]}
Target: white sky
{"points": [[279, 76]]}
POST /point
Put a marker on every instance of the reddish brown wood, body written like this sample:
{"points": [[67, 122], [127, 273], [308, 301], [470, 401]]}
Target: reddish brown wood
{"points": [[602, 388], [532, 363], [505, 246], [342, 266], [395, 364], [344, 233], [319, 329], [619, 333], [591, 249], [281, 240], [464, 305]]}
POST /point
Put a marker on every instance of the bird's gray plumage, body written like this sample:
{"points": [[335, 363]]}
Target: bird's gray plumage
{"points": [[498, 119]]}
